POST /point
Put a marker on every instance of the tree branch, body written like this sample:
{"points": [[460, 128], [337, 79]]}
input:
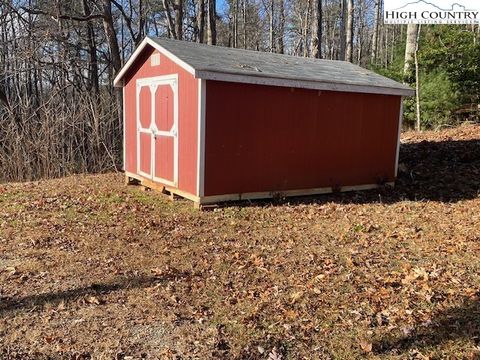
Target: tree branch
{"points": [[127, 18], [63, 16]]}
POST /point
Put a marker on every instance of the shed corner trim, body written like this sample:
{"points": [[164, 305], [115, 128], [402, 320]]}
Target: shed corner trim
{"points": [[202, 88]]}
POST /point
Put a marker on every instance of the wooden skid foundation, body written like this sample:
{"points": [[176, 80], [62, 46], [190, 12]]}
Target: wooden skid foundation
{"points": [[212, 202], [208, 200], [131, 181], [172, 193]]}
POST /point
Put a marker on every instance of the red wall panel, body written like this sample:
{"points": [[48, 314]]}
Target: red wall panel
{"points": [[187, 117], [261, 138]]}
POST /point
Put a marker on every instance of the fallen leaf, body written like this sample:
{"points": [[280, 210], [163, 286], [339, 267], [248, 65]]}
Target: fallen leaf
{"points": [[296, 296], [11, 269], [93, 300], [275, 355], [366, 346]]}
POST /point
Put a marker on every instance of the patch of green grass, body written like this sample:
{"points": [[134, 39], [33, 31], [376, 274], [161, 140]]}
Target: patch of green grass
{"points": [[358, 228], [101, 216], [70, 214], [12, 200], [150, 198], [111, 198]]}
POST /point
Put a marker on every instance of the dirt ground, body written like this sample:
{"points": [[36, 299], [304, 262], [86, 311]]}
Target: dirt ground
{"points": [[92, 269]]}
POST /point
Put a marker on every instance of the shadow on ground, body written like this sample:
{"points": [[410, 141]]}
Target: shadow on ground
{"points": [[54, 298], [458, 323], [445, 171]]}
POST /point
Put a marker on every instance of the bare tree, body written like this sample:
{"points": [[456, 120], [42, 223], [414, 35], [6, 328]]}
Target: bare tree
{"points": [[317, 23], [200, 20], [179, 19], [111, 35], [361, 26], [412, 34], [271, 16], [349, 32], [116, 59], [417, 78], [375, 31], [93, 77], [212, 22], [244, 15], [281, 27], [55, 124], [171, 24], [343, 18], [306, 28]]}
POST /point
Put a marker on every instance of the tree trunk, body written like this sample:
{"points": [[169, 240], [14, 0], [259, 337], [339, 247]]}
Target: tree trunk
{"points": [[343, 18], [111, 36], [235, 25], [201, 21], [375, 32], [360, 31], [244, 24], [115, 56], [3, 98], [385, 46], [306, 28], [171, 26], [281, 28], [179, 19], [316, 44], [412, 33], [230, 32], [93, 80], [272, 26], [349, 40], [141, 24], [417, 78], [212, 22]]}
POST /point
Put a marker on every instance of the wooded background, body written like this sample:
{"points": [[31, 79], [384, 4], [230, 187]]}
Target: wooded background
{"points": [[59, 113]]}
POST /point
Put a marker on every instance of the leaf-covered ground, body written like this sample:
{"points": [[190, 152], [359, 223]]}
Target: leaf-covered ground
{"points": [[90, 268]]}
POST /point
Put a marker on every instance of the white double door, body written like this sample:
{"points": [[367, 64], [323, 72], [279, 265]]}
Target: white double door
{"points": [[157, 129]]}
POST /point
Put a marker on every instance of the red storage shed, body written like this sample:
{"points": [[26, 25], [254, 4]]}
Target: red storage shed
{"points": [[213, 124]]}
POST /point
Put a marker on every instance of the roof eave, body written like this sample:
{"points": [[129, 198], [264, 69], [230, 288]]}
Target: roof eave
{"points": [[304, 84]]}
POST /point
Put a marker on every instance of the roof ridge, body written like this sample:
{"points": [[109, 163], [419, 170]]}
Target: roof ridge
{"points": [[159, 39]]}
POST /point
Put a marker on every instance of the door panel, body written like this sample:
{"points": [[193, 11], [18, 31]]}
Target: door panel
{"points": [[164, 117], [145, 153], [145, 102], [164, 154]]}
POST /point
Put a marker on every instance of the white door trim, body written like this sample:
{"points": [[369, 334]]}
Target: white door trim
{"points": [[153, 83]]}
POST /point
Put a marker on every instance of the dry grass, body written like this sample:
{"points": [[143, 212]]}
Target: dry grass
{"points": [[90, 268]]}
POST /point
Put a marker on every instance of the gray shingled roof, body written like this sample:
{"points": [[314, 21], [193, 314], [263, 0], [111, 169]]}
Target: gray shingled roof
{"points": [[222, 60]]}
